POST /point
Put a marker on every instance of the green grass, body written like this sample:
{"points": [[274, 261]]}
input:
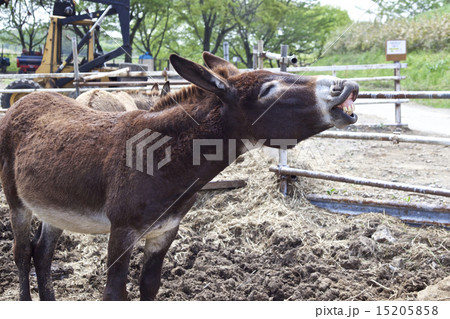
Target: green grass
{"points": [[426, 71]]}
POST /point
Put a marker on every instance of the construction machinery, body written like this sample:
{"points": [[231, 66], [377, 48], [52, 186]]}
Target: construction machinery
{"points": [[4, 62], [57, 55], [29, 62]]}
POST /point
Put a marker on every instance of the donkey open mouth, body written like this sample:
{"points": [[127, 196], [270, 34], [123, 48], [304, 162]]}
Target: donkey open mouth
{"points": [[342, 107]]}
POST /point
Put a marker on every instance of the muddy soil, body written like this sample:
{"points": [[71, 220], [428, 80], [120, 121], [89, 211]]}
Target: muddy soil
{"points": [[253, 244]]}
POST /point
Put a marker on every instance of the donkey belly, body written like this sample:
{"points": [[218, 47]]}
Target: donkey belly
{"points": [[88, 222]]}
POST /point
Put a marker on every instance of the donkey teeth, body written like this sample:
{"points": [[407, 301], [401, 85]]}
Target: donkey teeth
{"points": [[349, 109]]}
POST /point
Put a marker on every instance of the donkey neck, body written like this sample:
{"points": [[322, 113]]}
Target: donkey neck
{"points": [[197, 128]]}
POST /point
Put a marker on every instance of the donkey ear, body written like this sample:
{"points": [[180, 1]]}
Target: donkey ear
{"points": [[200, 76], [214, 62], [165, 89], [155, 87]]}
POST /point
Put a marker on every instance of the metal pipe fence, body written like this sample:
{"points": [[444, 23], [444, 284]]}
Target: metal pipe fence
{"points": [[395, 138], [359, 181]]}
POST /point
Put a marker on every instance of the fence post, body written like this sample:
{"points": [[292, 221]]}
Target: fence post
{"points": [[282, 161], [255, 57], [226, 51], [260, 54], [398, 110], [75, 67], [333, 72]]}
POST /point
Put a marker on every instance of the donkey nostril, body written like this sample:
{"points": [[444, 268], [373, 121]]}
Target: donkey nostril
{"points": [[336, 91]]}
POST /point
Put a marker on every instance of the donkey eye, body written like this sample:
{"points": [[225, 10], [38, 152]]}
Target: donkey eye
{"points": [[265, 90]]}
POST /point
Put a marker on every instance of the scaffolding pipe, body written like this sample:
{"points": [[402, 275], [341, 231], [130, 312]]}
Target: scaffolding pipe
{"points": [[288, 59], [405, 95], [360, 181], [360, 102], [396, 138], [69, 90], [84, 74], [115, 73], [377, 78]]}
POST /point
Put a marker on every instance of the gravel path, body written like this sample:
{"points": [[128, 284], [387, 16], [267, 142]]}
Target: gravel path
{"points": [[418, 117]]}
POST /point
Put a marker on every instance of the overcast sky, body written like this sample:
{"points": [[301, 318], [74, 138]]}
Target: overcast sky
{"points": [[356, 9]]}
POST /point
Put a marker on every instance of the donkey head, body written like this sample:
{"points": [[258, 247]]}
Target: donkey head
{"points": [[266, 105]]}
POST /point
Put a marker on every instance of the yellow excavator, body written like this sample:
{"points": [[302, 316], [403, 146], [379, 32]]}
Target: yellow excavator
{"points": [[57, 55]]}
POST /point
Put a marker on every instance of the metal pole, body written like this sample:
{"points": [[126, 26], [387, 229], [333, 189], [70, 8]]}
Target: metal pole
{"points": [[260, 54], [396, 138], [255, 57], [283, 60], [398, 109], [405, 95], [75, 67], [283, 152], [282, 163], [360, 181], [226, 51]]}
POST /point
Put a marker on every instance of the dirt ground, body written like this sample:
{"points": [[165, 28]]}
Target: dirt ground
{"points": [[254, 244]]}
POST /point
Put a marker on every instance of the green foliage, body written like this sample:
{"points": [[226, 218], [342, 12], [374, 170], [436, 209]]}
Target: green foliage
{"points": [[429, 31], [152, 30], [388, 9], [428, 43], [206, 22], [303, 25], [307, 31]]}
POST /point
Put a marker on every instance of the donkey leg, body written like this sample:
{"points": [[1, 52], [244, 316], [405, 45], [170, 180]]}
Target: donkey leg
{"points": [[43, 250], [120, 246], [154, 252], [21, 226]]}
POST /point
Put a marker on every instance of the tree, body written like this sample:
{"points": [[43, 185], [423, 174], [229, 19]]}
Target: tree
{"points": [[388, 9], [23, 19], [208, 21], [152, 31], [250, 20], [303, 25], [306, 29]]}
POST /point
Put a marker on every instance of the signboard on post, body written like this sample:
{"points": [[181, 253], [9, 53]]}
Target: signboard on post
{"points": [[395, 50]]}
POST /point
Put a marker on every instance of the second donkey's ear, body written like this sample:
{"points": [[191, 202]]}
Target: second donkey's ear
{"points": [[200, 76], [165, 89]]}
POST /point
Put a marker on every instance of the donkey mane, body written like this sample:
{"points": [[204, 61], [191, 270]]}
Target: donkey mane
{"points": [[192, 92], [173, 99]]}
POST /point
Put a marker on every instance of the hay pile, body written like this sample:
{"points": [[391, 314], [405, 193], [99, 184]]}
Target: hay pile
{"points": [[254, 244]]}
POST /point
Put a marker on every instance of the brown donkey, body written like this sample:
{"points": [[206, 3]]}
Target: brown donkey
{"points": [[70, 165]]}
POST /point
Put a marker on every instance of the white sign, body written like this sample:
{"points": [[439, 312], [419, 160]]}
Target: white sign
{"points": [[396, 47]]}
